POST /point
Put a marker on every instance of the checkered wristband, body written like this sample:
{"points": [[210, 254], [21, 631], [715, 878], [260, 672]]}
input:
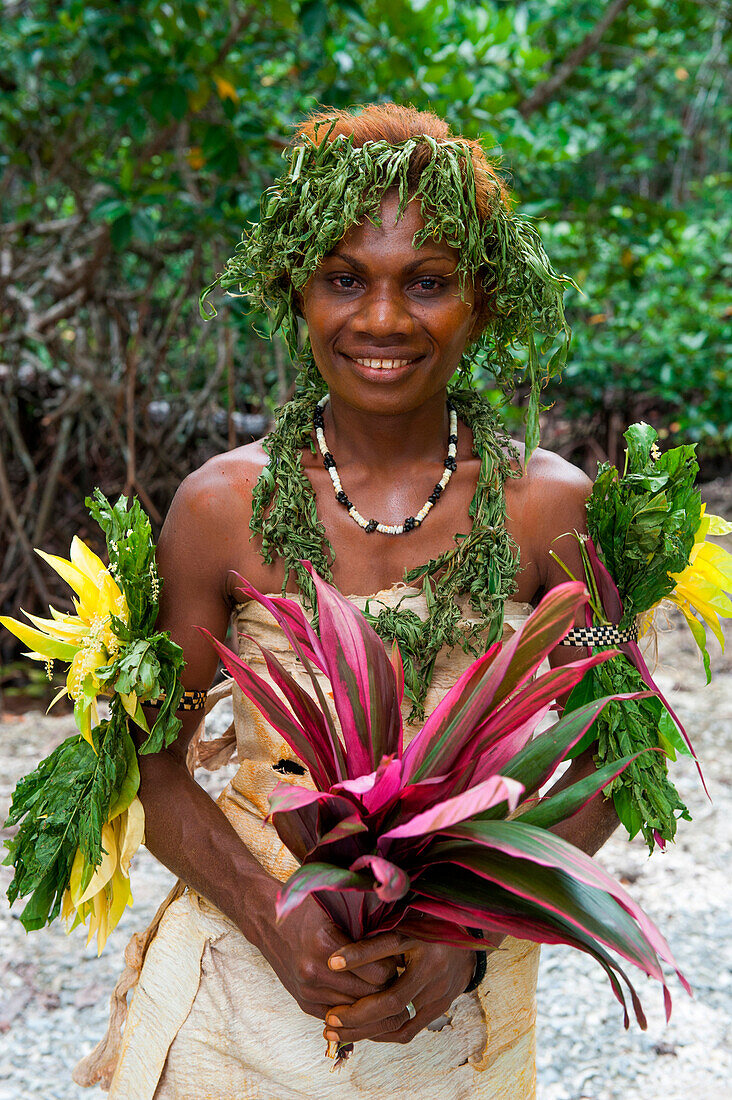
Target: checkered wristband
{"points": [[191, 700], [590, 636]]}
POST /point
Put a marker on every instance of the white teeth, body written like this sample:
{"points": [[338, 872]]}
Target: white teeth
{"points": [[383, 364]]}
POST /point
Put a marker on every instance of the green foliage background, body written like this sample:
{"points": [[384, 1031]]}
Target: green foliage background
{"points": [[136, 138]]}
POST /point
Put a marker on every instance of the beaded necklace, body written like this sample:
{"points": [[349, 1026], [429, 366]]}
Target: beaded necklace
{"points": [[371, 525], [481, 565]]}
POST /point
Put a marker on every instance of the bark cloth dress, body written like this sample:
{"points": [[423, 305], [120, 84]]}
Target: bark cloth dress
{"points": [[210, 1019]]}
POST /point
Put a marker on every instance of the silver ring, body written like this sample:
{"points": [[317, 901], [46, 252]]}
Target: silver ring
{"points": [[411, 1010]]}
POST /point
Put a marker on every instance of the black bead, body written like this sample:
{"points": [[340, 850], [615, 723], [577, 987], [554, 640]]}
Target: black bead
{"points": [[452, 439], [410, 523], [432, 498], [328, 460], [371, 527], [450, 463], [318, 419], [437, 491]]}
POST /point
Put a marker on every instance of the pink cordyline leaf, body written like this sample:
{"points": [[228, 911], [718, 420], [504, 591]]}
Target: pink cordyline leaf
{"points": [[387, 785], [612, 605], [535, 764], [552, 809], [539, 931], [446, 718], [524, 919], [277, 714], [529, 702], [321, 732], [587, 909], [291, 618], [398, 666], [362, 678], [391, 881], [348, 827], [316, 877], [446, 733], [481, 797], [379, 787], [522, 841], [505, 746], [289, 796], [300, 820], [535, 639]]}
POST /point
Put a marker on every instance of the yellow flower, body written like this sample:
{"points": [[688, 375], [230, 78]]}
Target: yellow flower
{"points": [[107, 893], [702, 587], [86, 640]]}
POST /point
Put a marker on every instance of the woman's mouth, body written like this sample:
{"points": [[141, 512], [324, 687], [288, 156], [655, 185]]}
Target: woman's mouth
{"points": [[383, 365]]}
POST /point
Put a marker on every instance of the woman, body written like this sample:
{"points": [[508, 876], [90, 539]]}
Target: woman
{"points": [[234, 1005]]}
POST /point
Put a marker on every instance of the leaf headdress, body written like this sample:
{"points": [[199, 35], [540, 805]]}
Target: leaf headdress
{"points": [[333, 185]]}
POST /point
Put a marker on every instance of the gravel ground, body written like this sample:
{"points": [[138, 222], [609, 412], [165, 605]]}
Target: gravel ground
{"points": [[54, 991]]}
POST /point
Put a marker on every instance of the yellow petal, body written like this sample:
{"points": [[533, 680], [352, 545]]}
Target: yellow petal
{"points": [[77, 869], [59, 695], [67, 905], [129, 702], [718, 525], [104, 871], [39, 641], [85, 589], [121, 898], [85, 718], [75, 634], [698, 590], [708, 614], [62, 617], [132, 833], [86, 560]]}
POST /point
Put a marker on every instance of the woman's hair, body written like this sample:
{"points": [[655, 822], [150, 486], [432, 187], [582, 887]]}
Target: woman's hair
{"points": [[341, 163], [395, 124]]}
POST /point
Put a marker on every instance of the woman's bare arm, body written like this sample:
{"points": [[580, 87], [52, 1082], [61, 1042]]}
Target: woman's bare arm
{"points": [[184, 827], [559, 494]]}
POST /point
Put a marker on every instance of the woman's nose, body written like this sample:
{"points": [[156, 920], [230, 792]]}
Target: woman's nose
{"points": [[383, 312]]}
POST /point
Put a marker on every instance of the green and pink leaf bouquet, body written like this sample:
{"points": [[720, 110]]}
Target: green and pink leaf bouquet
{"points": [[447, 838]]}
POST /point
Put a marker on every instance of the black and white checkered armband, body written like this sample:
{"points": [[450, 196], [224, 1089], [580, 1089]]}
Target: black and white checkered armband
{"points": [[590, 636]]}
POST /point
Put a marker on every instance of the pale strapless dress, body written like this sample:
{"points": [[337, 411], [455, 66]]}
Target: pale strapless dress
{"points": [[210, 1019]]}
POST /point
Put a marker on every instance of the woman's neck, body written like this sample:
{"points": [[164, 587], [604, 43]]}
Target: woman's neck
{"points": [[381, 442]]}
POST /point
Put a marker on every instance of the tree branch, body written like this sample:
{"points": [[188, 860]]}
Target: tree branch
{"points": [[547, 89]]}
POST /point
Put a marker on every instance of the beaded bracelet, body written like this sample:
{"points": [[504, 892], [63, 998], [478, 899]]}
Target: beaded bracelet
{"points": [[481, 964]]}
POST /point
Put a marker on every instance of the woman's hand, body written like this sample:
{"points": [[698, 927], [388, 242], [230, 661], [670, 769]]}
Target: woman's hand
{"points": [[298, 948], [434, 975]]}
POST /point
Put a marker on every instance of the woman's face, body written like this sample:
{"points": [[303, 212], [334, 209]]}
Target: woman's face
{"points": [[386, 322]]}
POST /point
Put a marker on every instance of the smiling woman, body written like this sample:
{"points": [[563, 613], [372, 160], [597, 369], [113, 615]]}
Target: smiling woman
{"points": [[394, 243]]}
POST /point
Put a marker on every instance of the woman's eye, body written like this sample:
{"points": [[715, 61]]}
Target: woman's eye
{"points": [[350, 279], [436, 284]]}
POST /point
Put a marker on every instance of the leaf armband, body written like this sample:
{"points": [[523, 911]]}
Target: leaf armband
{"points": [[78, 815], [648, 544]]}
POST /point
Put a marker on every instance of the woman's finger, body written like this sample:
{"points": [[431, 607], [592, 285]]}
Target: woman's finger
{"points": [[370, 1016], [411, 1027], [352, 956]]}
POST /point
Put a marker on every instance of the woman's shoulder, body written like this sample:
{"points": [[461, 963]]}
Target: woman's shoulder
{"points": [[550, 496], [222, 484]]}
